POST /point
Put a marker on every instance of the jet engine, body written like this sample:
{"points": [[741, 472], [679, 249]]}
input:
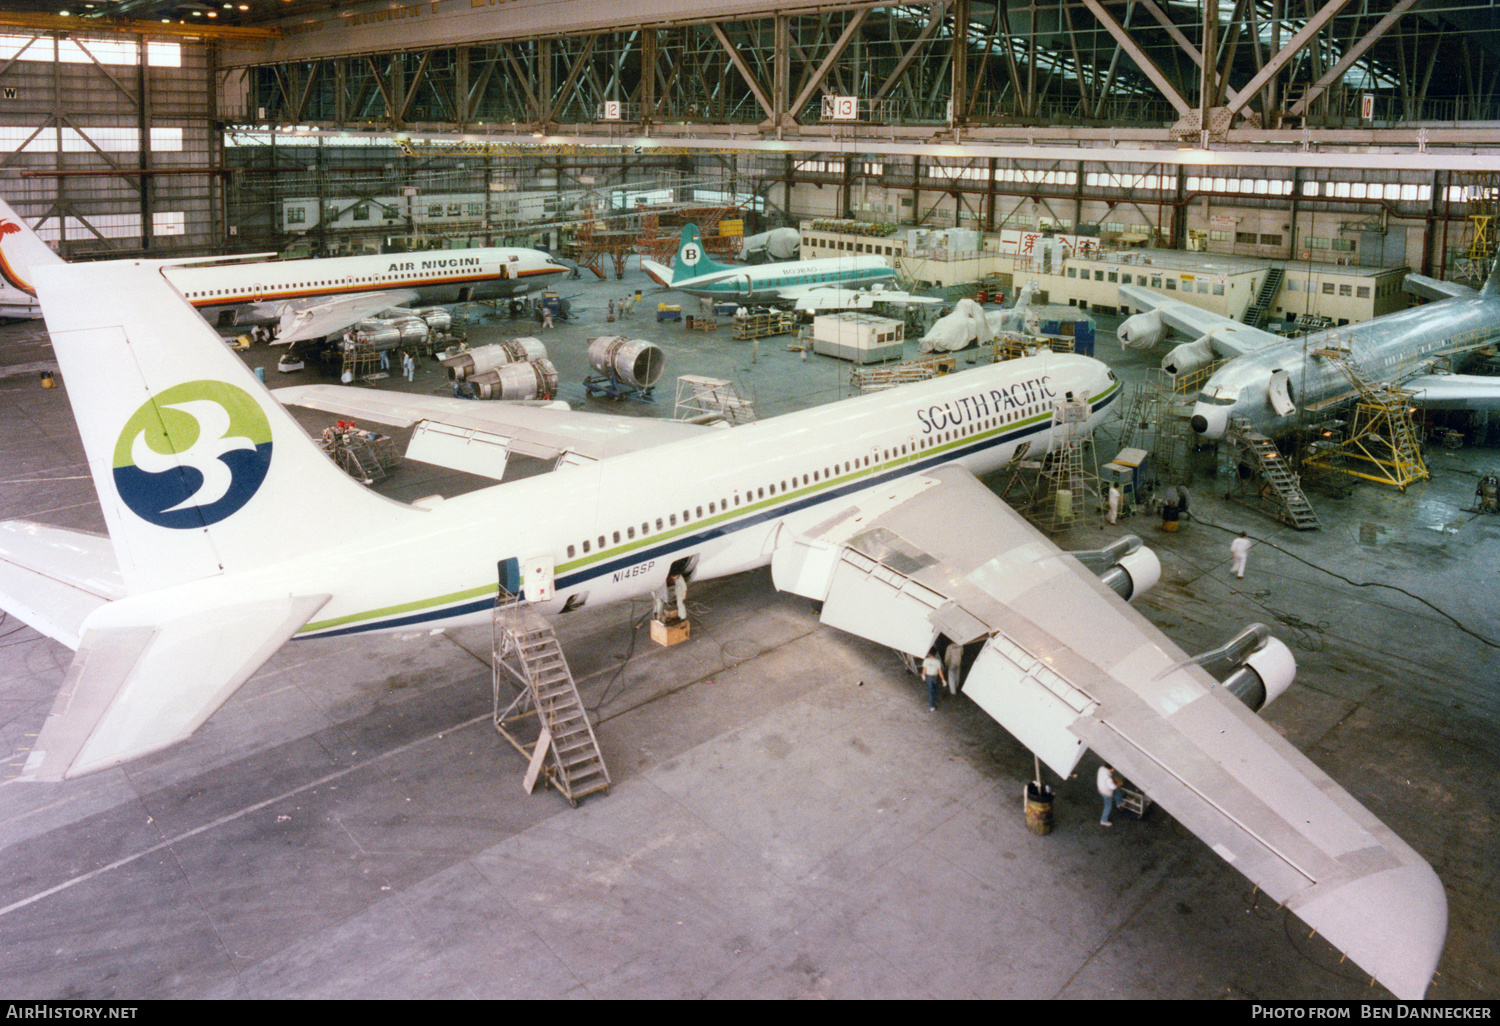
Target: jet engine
{"points": [[1189, 357], [1142, 330], [1126, 566], [1253, 666], [536, 379], [469, 363], [630, 361]]}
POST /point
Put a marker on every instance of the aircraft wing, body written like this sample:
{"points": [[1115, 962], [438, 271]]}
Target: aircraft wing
{"points": [[1065, 663], [815, 298], [1456, 391], [1229, 337], [301, 320], [479, 437], [1434, 288]]}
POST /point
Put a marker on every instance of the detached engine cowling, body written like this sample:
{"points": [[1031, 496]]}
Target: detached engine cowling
{"points": [[1142, 330], [1189, 357], [1126, 566]]}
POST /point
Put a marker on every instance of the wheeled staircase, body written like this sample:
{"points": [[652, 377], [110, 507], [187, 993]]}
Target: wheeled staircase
{"points": [[1289, 504], [544, 708]]}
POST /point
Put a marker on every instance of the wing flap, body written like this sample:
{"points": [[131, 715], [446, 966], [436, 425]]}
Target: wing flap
{"points": [[140, 682]]}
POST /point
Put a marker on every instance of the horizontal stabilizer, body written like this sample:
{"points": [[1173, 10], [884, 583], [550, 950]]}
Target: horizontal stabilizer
{"points": [[53, 578], [1435, 288], [139, 683], [467, 435]]}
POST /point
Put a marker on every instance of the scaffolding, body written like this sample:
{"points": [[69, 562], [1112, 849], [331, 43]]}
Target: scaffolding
{"points": [[701, 399], [878, 378], [1380, 443], [1070, 472]]}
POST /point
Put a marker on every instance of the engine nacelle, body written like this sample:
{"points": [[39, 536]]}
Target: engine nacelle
{"points": [[1253, 666], [1265, 676], [1126, 566], [1142, 330], [1189, 357]]}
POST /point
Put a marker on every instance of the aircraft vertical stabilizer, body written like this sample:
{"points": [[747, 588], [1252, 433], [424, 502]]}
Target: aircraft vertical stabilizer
{"points": [[22, 251], [199, 470], [1491, 285], [692, 260]]}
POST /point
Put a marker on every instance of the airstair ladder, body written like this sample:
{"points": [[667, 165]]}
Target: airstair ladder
{"points": [[528, 662], [1291, 505], [1255, 313]]}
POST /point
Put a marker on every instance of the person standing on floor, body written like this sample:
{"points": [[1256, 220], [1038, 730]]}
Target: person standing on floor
{"points": [[932, 672], [1114, 503], [1239, 551], [1108, 782]]}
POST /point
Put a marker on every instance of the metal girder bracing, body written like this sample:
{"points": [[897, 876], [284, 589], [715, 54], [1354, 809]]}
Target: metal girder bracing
{"points": [[1298, 42], [1054, 64], [1352, 56], [1136, 54]]}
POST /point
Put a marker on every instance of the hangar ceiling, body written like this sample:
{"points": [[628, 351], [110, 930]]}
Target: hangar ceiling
{"points": [[1312, 76]]}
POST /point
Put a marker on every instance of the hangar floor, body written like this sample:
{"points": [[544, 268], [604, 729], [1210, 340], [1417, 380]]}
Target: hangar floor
{"points": [[786, 819]]}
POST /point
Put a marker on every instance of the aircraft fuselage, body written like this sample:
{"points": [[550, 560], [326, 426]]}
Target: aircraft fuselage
{"points": [[720, 500], [1292, 376]]}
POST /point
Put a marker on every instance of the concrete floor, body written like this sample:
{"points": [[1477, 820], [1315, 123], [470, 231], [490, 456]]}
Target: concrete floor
{"points": [[787, 820]]}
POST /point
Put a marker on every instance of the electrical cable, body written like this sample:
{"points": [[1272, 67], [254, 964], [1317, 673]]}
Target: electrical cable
{"points": [[1357, 584]]}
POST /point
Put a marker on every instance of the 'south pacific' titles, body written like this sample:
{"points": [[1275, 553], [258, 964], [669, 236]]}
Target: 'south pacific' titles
{"points": [[986, 404]]}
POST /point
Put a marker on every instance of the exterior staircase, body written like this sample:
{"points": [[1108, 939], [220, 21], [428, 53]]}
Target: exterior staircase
{"points": [[1255, 313], [528, 663]]}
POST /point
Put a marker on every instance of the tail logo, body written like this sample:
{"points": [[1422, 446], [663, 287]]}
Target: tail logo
{"points": [[690, 254], [192, 455]]}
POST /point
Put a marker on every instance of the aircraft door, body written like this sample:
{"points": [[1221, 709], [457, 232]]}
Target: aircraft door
{"points": [[742, 287], [1279, 392], [537, 580]]}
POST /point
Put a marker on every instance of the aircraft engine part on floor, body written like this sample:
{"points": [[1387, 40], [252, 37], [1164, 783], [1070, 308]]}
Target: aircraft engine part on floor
{"points": [[469, 363], [536, 379], [630, 361]]}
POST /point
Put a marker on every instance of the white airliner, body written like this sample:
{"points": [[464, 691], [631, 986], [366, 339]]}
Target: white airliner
{"points": [[856, 281], [1272, 383], [870, 506], [312, 298]]}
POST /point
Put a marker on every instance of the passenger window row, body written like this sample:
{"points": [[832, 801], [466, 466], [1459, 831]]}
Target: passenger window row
{"points": [[760, 492]]}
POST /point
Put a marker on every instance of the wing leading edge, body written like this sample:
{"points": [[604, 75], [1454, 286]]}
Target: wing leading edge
{"points": [[1230, 338], [1066, 664]]}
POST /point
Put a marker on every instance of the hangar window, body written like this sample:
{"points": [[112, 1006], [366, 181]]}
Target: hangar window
{"points": [[1072, 272], [1156, 281], [1363, 292], [1345, 290], [1172, 284], [1328, 288]]}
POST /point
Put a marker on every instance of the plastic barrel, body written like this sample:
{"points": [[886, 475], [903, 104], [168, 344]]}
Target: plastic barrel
{"points": [[1064, 508], [1039, 809]]}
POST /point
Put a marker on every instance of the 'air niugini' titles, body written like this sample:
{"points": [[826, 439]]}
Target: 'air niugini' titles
{"points": [[986, 404]]}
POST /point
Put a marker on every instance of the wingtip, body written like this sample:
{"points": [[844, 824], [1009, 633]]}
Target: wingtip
{"points": [[1392, 923]]}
